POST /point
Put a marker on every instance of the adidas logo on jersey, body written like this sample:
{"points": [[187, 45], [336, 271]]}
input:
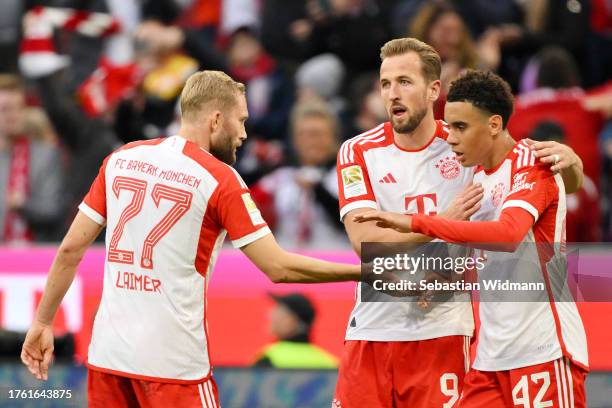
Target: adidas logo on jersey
{"points": [[388, 179]]}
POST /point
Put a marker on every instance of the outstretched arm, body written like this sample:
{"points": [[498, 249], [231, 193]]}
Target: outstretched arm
{"points": [[38, 345], [462, 208], [502, 235], [285, 267]]}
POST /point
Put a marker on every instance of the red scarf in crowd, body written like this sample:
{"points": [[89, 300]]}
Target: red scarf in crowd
{"points": [[15, 227], [263, 65]]}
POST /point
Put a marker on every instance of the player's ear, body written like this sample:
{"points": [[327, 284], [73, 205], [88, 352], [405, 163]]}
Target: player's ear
{"points": [[496, 124], [434, 90], [215, 120]]}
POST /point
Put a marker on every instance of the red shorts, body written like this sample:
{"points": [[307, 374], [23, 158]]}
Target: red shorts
{"points": [[109, 390], [425, 373], [555, 384]]}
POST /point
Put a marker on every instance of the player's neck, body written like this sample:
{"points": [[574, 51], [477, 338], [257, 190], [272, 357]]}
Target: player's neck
{"points": [[420, 136], [196, 135], [501, 147]]}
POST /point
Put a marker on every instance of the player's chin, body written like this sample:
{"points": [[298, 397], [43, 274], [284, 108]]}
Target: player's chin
{"points": [[465, 161]]}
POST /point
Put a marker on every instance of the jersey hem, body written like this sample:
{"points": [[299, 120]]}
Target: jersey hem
{"points": [[376, 335], [149, 378], [511, 363]]}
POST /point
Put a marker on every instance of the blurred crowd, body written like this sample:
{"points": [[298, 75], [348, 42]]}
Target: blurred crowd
{"points": [[79, 78]]}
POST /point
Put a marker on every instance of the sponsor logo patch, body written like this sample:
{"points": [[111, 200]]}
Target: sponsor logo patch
{"points": [[252, 209], [519, 183], [352, 180]]}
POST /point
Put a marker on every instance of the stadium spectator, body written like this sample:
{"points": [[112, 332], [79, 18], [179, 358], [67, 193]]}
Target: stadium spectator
{"points": [[300, 201], [583, 211], [291, 322], [269, 91], [322, 77], [439, 24], [296, 31], [559, 98], [31, 173], [545, 23], [368, 109]]}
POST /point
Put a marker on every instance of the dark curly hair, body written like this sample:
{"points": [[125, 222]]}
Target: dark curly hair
{"points": [[484, 90]]}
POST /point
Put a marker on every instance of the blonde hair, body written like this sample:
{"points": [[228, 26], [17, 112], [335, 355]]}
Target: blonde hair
{"points": [[431, 65], [209, 87]]}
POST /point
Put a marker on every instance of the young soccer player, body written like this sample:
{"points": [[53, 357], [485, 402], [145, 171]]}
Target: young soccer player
{"points": [[529, 353]]}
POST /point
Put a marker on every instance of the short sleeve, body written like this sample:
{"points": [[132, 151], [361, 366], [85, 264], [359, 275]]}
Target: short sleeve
{"points": [[94, 203], [354, 187], [237, 213], [533, 189]]}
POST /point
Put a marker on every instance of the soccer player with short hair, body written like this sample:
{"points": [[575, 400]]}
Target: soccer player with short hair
{"points": [[399, 354], [167, 205], [531, 353]]}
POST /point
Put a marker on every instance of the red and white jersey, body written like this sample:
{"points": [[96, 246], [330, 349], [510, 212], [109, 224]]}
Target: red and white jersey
{"points": [[167, 205], [373, 172], [520, 334]]}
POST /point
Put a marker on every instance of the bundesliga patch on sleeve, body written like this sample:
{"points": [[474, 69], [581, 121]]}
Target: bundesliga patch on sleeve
{"points": [[252, 209], [352, 181]]}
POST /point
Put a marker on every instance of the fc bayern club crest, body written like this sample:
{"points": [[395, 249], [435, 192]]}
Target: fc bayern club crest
{"points": [[449, 167], [497, 194]]}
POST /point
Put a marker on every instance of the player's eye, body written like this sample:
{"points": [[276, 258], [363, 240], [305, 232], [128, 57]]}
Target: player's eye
{"points": [[404, 82], [384, 85]]}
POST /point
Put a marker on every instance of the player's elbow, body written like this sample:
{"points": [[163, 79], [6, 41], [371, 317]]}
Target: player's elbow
{"points": [[278, 277], [508, 246], [512, 242], [276, 272], [69, 253]]}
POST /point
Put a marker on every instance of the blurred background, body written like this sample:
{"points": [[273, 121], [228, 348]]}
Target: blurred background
{"points": [[79, 78]]}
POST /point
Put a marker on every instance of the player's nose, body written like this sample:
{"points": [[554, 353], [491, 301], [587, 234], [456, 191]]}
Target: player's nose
{"points": [[393, 93]]}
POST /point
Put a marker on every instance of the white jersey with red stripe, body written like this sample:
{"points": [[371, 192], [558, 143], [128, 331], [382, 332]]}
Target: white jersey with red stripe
{"points": [[373, 172], [520, 334], [167, 205]]}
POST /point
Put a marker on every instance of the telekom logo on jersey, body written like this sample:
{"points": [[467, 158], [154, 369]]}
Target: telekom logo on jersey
{"points": [[426, 204]]}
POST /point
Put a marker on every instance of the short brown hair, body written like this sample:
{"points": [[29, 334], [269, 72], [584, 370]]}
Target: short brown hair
{"points": [[10, 82], [430, 60], [209, 87]]}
